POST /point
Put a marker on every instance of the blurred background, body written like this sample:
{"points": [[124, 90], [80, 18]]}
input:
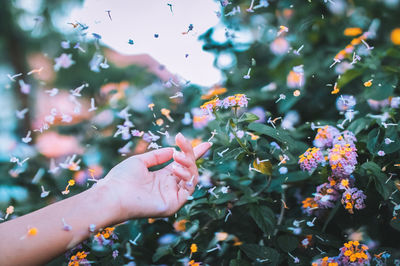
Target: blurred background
{"points": [[85, 83]]}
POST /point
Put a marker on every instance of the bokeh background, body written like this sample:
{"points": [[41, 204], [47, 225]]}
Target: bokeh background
{"points": [[128, 55]]}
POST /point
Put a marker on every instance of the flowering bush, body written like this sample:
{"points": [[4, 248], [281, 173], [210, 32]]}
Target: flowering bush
{"points": [[305, 158]]}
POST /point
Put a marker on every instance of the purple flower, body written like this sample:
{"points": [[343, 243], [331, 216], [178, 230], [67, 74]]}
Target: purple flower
{"points": [[342, 159], [345, 102], [64, 61], [326, 196], [310, 159], [325, 136], [346, 137], [353, 198], [381, 153], [260, 112], [353, 253], [147, 137]]}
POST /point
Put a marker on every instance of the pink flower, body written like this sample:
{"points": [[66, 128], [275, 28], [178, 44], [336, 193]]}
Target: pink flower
{"points": [[64, 61]]}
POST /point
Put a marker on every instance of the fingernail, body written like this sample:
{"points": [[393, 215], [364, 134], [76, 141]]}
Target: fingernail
{"points": [[210, 143]]}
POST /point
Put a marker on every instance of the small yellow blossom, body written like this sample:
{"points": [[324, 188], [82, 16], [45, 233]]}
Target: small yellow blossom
{"points": [[352, 31], [368, 83], [395, 36], [193, 248]]}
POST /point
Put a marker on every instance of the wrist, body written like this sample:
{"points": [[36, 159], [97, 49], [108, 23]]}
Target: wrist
{"points": [[101, 196]]}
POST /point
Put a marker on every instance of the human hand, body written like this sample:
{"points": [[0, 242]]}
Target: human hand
{"points": [[137, 192]]}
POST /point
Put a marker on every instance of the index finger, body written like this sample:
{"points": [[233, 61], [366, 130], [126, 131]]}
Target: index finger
{"points": [[201, 149]]}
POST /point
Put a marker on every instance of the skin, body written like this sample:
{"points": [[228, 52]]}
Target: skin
{"points": [[128, 191]]}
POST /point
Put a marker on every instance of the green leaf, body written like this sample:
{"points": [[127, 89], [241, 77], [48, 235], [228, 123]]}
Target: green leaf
{"points": [[287, 243], [274, 133], [372, 142], [161, 252], [296, 176], [393, 52], [257, 253], [392, 134], [222, 198], [264, 218], [248, 117], [238, 262], [382, 87], [359, 125], [331, 215], [348, 76], [380, 179]]}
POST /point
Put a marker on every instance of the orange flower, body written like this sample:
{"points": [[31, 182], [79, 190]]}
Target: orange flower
{"points": [[180, 225], [237, 242], [368, 83], [193, 248], [193, 263], [214, 92], [352, 31], [395, 36]]}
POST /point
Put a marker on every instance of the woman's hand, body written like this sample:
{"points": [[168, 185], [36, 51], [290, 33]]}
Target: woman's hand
{"points": [[137, 192]]}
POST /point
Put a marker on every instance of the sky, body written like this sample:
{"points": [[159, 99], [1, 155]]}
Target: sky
{"points": [[140, 20]]}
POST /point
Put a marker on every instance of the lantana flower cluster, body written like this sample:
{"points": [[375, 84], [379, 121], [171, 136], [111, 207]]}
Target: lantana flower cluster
{"points": [[79, 259], [237, 100], [106, 236], [310, 159], [352, 253], [339, 149]]}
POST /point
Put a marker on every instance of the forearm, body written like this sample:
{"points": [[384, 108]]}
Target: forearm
{"points": [[79, 212]]}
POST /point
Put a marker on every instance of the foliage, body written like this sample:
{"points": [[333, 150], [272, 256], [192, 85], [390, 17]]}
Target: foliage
{"points": [[247, 208]]}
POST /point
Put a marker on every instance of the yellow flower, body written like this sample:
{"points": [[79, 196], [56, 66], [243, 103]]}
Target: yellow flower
{"points": [[347, 253], [193, 248], [352, 31], [395, 36], [193, 263], [71, 182], [368, 83]]}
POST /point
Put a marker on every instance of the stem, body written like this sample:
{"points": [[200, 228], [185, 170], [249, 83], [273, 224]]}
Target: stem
{"points": [[264, 188], [280, 219], [241, 143]]}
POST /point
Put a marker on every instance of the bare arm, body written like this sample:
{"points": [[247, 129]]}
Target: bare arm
{"points": [[128, 191]]}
